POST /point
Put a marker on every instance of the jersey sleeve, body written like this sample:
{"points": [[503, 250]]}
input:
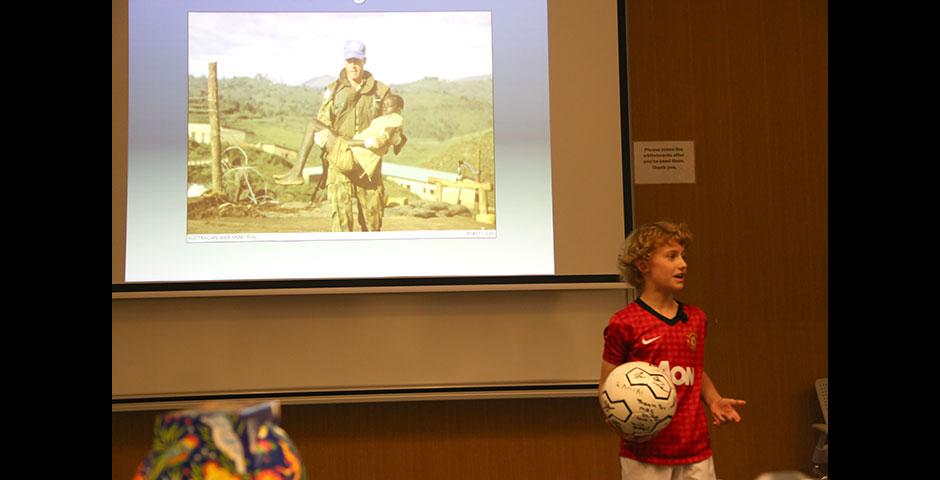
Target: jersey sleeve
{"points": [[616, 341]]}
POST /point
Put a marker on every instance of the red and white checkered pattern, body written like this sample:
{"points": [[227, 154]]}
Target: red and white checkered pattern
{"points": [[636, 334]]}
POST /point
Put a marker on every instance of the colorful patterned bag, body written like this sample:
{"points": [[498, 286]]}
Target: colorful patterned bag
{"points": [[222, 444]]}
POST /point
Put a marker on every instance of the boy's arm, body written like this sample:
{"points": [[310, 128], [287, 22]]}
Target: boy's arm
{"points": [[709, 393], [722, 408]]}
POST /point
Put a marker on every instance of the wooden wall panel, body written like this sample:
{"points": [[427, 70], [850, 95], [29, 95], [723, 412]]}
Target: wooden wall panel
{"points": [[748, 82], [541, 438]]}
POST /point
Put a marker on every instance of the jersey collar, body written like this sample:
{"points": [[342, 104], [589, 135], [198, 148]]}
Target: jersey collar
{"points": [[680, 313]]}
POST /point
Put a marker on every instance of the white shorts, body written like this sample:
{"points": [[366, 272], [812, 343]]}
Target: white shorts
{"points": [[631, 469]]}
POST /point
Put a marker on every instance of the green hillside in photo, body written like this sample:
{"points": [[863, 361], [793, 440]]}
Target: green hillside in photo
{"points": [[445, 121]]}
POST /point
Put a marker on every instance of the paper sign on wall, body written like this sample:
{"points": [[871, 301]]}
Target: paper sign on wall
{"points": [[664, 162]]}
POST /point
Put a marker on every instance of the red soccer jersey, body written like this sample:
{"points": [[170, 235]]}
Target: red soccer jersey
{"points": [[677, 345]]}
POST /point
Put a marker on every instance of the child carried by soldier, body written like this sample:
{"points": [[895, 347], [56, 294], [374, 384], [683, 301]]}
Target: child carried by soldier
{"points": [[361, 154]]}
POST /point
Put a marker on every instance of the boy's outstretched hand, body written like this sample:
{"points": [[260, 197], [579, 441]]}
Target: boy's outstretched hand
{"points": [[723, 411]]}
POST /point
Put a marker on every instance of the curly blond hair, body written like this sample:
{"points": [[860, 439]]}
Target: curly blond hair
{"points": [[643, 241]]}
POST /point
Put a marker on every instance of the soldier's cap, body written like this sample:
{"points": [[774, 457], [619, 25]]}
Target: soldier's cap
{"points": [[354, 49]]}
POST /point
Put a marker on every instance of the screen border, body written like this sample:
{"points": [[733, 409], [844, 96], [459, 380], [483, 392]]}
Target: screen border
{"points": [[135, 289]]}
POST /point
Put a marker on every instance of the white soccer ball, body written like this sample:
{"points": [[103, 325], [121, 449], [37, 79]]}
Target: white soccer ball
{"points": [[638, 400]]}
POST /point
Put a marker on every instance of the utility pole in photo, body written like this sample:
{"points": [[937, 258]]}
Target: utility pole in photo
{"points": [[215, 139]]}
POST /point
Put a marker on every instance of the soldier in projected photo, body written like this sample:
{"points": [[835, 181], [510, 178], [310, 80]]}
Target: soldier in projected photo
{"points": [[350, 103]]}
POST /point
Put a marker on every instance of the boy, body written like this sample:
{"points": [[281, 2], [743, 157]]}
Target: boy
{"points": [[660, 330]]}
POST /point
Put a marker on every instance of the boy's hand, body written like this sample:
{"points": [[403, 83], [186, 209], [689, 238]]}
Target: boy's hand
{"points": [[723, 411]]}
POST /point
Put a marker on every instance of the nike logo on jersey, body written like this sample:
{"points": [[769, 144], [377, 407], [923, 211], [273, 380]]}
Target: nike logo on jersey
{"points": [[647, 342]]}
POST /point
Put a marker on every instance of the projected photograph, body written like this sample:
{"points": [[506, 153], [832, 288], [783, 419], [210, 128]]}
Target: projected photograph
{"points": [[340, 122]]}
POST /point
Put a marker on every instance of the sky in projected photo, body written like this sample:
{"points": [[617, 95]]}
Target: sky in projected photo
{"points": [[292, 48]]}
